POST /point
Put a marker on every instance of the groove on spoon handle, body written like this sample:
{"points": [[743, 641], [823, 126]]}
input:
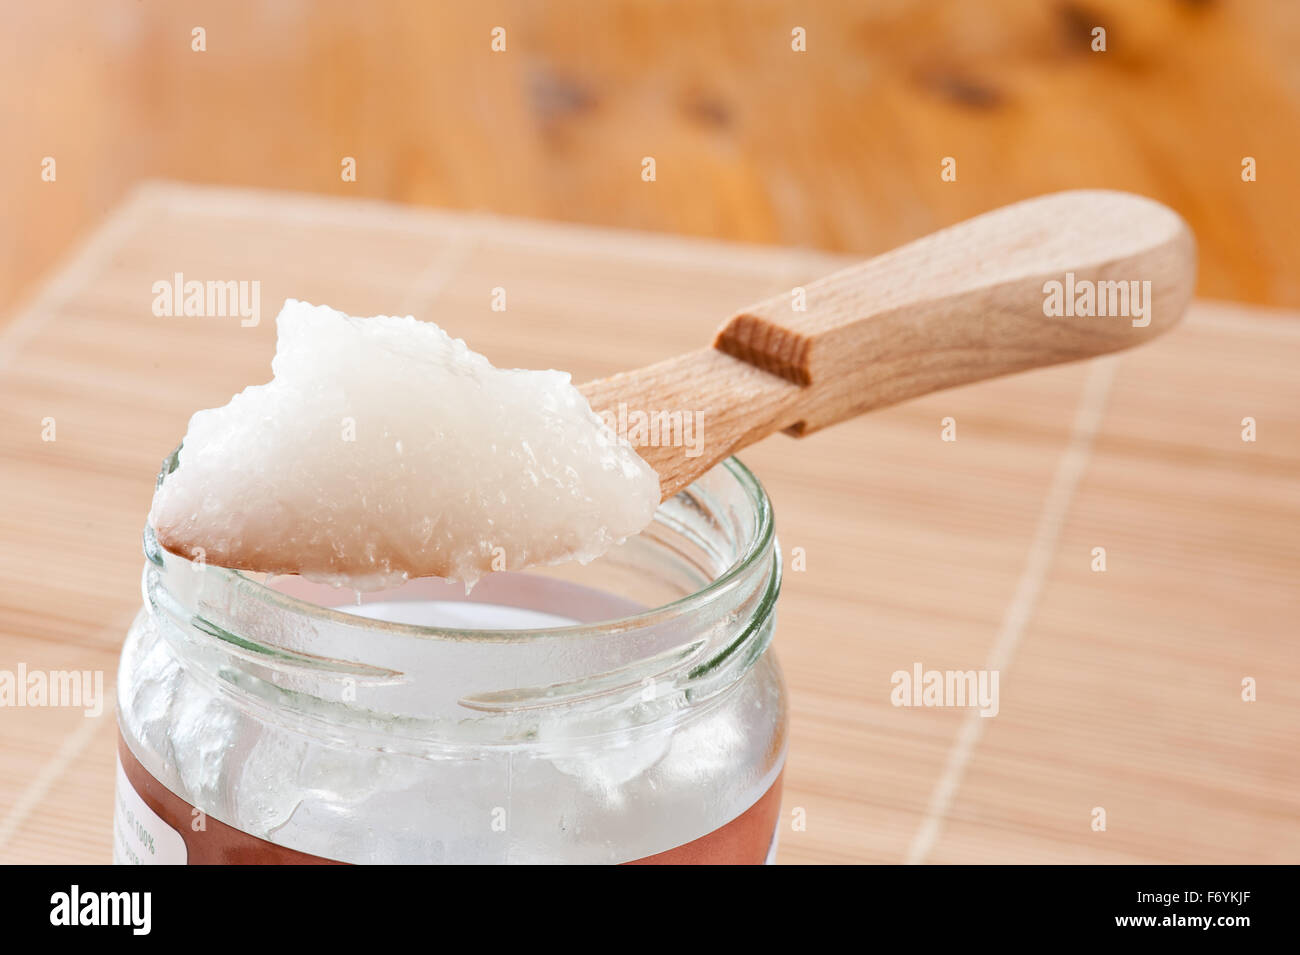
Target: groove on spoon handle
{"points": [[961, 305], [967, 303]]}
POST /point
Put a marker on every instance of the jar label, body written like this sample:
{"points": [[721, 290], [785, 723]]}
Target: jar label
{"points": [[140, 836], [749, 839], [154, 826], [202, 839]]}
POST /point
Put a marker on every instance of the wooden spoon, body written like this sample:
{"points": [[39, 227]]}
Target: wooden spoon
{"points": [[967, 303]]}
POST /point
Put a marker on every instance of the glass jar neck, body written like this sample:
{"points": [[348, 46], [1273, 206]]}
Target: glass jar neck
{"points": [[620, 656]]}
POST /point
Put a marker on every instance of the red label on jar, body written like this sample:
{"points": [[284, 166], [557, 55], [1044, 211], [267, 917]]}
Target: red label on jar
{"points": [[154, 826], [746, 840], [206, 841]]}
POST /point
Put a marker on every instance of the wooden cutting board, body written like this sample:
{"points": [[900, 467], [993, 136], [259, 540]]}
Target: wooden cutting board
{"points": [[1119, 689]]}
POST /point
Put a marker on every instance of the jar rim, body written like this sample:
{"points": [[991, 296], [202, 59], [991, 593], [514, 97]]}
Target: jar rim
{"points": [[756, 547]]}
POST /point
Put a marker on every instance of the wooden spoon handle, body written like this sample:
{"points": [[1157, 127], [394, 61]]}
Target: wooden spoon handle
{"points": [[974, 302], [1049, 280]]}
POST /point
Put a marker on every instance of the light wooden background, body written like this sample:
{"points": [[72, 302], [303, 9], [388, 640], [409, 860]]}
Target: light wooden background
{"points": [[1120, 690], [836, 148]]}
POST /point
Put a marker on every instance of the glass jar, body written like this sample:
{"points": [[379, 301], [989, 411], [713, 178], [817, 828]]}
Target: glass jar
{"points": [[629, 710]]}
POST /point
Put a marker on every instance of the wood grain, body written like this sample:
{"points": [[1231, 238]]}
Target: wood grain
{"points": [[963, 305], [838, 147], [1119, 689]]}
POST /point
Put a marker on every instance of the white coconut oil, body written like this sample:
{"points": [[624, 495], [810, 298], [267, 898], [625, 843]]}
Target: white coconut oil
{"points": [[625, 710], [383, 449]]}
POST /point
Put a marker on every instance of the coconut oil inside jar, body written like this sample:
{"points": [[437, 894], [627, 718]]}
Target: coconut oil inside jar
{"points": [[622, 711]]}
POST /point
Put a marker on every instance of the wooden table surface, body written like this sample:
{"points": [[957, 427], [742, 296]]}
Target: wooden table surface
{"points": [[836, 147], [1120, 689]]}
